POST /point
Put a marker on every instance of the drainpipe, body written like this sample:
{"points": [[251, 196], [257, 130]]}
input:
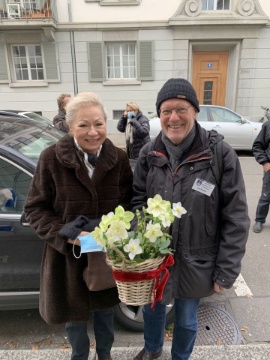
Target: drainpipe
{"points": [[73, 54]]}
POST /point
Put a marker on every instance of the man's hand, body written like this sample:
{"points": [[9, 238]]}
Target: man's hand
{"points": [[266, 167], [218, 288]]}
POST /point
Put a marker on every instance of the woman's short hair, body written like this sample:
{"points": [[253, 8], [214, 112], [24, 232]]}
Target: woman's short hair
{"points": [[81, 100], [133, 106]]}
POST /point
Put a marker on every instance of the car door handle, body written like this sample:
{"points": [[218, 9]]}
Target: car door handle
{"points": [[6, 228]]}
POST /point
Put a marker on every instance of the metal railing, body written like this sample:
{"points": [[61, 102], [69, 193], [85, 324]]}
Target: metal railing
{"points": [[27, 9]]}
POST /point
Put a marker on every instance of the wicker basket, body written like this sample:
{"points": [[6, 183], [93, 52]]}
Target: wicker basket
{"points": [[140, 292]]}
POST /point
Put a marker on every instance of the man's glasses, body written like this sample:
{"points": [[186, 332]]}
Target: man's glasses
{"points": [[179, 111]]}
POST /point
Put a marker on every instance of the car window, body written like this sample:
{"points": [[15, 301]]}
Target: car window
{"points": [[29, 141], [18, 181], [224, 115], [202, 115]]}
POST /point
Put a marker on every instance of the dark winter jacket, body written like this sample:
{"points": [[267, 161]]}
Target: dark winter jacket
{"points": [[59, 121], [140, 132], [261, 145], [61, 190], [209, 240]]}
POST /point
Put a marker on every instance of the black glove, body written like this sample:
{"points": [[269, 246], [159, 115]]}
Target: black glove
{"points": [[72, 229]]}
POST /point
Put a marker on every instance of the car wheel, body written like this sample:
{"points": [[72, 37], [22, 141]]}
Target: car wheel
{"points": [[131, 317]]}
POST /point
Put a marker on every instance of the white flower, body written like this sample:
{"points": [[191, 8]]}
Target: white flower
{"points": [[133, 248], [116, 232], [153, 231], [178, 210], [166, 220], [157, 206]]}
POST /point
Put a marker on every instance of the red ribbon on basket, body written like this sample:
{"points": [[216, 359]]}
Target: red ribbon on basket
{"points": [[160, 282]]}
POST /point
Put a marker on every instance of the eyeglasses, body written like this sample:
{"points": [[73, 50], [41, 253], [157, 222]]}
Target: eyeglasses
{"points": [[179, 111]]}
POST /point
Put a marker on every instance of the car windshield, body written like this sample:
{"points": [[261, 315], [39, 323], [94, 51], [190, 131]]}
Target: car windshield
{"points": [[28, 140]]}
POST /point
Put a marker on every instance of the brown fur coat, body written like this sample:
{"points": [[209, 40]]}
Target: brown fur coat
{"points": [[61, 190]]}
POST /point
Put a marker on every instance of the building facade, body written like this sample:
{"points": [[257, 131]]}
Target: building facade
{"points": [[124, 50]]}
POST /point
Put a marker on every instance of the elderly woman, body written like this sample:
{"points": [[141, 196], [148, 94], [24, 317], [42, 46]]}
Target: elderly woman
{"points": [[136, 127], [76, 181]]}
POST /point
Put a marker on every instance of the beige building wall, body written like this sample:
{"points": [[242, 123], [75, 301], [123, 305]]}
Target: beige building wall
{"points": [[175, 34]]}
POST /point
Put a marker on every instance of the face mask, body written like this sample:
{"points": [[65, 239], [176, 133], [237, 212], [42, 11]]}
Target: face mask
{"points": [[88, 244], [131, 114]]}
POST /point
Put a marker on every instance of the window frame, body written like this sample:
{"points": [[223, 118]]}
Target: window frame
{"points": [[13, 69], [215, 2], [121, 56]]}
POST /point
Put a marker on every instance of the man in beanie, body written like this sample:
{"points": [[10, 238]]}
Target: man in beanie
{"points": [[209, 241]]}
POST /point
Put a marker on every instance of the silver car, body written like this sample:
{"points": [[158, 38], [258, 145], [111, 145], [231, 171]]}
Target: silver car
{"points": [[239, 132]]}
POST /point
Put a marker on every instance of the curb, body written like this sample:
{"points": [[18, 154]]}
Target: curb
{"points": [[220, 352]]}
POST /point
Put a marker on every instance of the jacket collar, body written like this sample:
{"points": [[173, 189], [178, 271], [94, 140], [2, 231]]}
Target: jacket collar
{"points": [[199, 148], [68, 156]]}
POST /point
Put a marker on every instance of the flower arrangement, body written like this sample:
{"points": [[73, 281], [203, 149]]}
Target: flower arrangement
{"points": [[149, 241]]}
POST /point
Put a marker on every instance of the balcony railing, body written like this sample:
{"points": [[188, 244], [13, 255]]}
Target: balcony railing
{"points": [[27, 9]]}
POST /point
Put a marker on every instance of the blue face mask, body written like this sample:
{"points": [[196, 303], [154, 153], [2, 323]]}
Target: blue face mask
{"points": [[131, 114], [89, 244]]}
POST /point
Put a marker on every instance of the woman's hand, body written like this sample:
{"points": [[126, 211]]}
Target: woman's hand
{"points": [[77, 241]]}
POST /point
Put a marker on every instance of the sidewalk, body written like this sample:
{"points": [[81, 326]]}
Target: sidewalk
{"points": [[229, 352]]}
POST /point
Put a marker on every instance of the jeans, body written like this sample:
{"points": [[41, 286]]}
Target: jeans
{"points": [[185, 327], [104, 335], [264, 201]]}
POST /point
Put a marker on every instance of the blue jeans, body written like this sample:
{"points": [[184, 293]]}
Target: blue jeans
{"points": [[185, 327], [264, 201], [104, 335]]}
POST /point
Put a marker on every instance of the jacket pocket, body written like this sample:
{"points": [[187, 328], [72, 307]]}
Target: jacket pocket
{"points": [[196, 279]]}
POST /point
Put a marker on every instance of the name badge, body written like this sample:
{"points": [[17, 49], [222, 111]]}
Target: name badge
{"points": [[203, 187]]}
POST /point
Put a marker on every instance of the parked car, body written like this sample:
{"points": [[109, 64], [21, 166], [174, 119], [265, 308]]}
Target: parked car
{"points": [[26, 114], [239, 132], [21, 142]]}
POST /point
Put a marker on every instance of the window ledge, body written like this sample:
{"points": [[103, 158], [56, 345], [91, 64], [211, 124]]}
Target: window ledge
{"points": [[121, 82], [28, 84]]}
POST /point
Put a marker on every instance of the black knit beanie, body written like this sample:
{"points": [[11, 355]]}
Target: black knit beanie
{"points": [[177, 88]]}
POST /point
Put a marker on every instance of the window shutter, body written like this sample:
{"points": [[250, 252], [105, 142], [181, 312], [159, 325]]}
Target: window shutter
{"points": [[95, 61], [146, 60], [3, 64], [51, 66]]}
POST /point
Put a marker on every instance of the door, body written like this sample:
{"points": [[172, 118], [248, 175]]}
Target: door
{"points": [[20, 247], [209, 76]]}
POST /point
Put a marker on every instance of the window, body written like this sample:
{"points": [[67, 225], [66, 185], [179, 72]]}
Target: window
{"points": [[14, 178], [121, 61], [117, 114], [29, 5], [28, 63], [215, 4]]}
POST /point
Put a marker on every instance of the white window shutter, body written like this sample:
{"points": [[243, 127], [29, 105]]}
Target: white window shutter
{"points": [[3, 64], [146, 65], [95, 62], [51, 66]]}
